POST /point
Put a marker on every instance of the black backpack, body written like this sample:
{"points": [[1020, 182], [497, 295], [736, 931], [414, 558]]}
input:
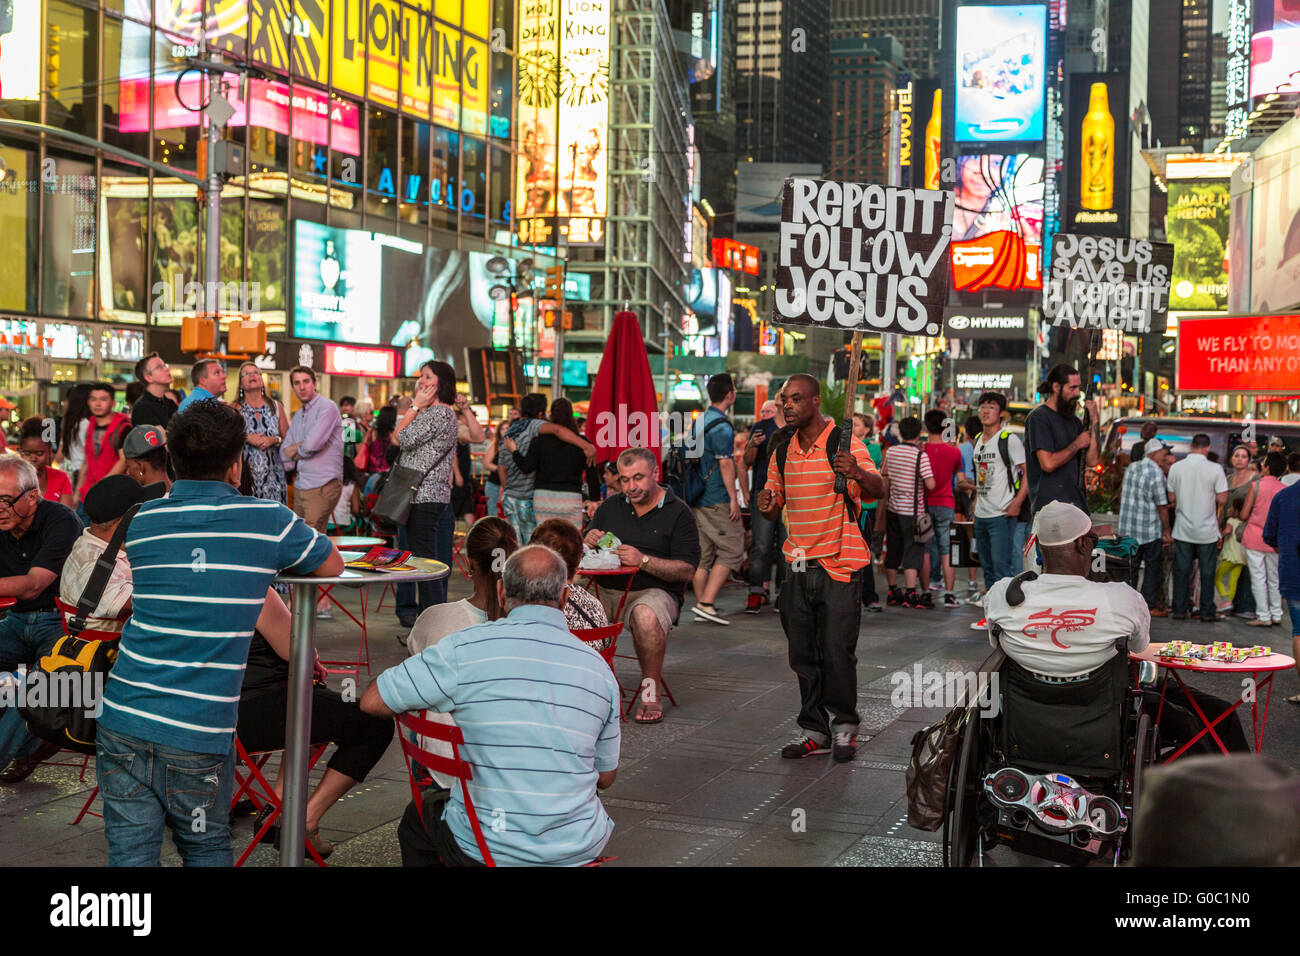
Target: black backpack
{"points": [[781, 448], [1013, 478], [683, 472]]}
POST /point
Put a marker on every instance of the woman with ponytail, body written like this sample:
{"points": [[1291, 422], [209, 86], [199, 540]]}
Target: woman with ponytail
{"points": [[489, 542]]}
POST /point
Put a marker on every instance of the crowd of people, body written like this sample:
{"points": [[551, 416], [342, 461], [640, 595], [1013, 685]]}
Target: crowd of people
{"points": [[239, 490]]}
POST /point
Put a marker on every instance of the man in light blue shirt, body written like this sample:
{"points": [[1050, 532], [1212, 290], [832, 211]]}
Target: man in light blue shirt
{"points": [[717, 513], [540, 714], [314, 443], [208, 376]]}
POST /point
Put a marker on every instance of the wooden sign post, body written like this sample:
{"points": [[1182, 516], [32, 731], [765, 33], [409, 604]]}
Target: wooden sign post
{"points": [[850, 400]]}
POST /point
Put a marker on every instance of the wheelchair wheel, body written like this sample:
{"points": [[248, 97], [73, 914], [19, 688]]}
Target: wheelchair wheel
{"points": [[1144, 754], [960, 826]]}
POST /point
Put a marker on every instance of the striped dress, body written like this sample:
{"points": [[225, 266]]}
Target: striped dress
{"points": [[201, 561]]}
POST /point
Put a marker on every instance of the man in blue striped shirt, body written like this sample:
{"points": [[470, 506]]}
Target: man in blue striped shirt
{"points": [[202, 562], [540, 714]]}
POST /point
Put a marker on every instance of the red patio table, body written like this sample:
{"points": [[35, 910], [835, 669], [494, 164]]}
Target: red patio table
{"points": [[1253, 666], [624, 569]]}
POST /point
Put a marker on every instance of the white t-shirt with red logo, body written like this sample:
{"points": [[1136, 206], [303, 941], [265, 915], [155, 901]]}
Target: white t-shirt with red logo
{"points": [[1067, 625]]}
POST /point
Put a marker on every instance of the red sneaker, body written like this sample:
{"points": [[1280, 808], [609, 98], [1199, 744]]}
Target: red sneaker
{"points": [[754, 604]]}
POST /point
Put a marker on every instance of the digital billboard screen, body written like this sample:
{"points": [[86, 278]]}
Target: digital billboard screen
{"points": [[921, 106], [358, 287], [563, 81], [1197, 225], [1274, 46], [1000, 76], [997, 224], [1097, 155]]}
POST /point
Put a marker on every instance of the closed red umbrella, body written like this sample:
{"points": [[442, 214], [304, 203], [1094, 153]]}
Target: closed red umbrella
{"points": [[624, 412]]}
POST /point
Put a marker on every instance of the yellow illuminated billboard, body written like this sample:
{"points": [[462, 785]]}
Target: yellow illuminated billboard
{"points": [[446, 75], [310, 33], [385, 44], [348, 46], [537, 46], [269, 39], [477, 16], [584, 118], [474, 85], [417, 58]]}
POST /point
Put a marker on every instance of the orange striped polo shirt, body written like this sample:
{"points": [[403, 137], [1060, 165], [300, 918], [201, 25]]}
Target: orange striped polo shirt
{"points": [[819, 524]]}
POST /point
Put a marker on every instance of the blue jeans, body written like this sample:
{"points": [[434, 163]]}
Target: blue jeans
{"points": [[995, 543], [24, 638], [1207, 555], [938, 545], [146, 786], [1018, 542], [765, 550], [407, 604], [1150, 554], [425, 534], [1293, 609], [492, 491]]}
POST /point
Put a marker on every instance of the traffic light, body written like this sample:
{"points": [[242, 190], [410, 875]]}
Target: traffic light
{"points": [[555, 283]]}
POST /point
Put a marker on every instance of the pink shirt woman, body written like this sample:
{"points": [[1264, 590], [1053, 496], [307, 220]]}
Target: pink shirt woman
{"points": [[1253, 538]]}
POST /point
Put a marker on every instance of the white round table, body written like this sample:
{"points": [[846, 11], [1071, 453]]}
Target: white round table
{"points": [[302, 654]]}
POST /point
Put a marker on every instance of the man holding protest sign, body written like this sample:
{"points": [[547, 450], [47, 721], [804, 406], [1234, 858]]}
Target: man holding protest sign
{"points": [[853, 257]]}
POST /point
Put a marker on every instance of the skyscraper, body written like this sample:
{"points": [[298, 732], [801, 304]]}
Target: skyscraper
{"points": [[864, 75], [782, 92], [914, 23]]}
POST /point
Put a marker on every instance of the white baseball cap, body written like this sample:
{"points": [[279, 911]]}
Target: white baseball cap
{"points": [[1060, 523]]}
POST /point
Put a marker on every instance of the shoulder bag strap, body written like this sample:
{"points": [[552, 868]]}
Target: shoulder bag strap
{"points": [[919, 504], [94, 589]]}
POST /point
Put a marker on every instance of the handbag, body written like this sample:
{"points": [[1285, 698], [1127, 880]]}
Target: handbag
{"points": [[397, 497], [933, 751], [922, 524], [69, 718]]}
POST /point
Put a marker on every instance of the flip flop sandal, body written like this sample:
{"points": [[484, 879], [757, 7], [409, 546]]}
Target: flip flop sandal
{"points": [[649, 712], [1293, 700]]}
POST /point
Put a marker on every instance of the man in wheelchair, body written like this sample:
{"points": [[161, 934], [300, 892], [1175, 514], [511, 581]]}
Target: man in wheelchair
{"points": [[1060, 770]]}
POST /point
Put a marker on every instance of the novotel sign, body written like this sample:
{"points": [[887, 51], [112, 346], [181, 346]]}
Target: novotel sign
{"points": [[371, 363]]}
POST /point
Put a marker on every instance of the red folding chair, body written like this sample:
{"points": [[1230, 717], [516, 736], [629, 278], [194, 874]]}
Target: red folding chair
{"points": [[596, 636], [259, 790], [458, 552], [420, 725]]}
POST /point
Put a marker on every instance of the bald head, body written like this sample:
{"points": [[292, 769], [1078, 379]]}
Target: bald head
{"points": [[534, 575]]}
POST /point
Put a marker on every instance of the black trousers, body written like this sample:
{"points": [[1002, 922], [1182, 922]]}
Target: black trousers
{"points": [[820, 617], [429, 842], [360, 738], [1151, 554], [1179, 723]]}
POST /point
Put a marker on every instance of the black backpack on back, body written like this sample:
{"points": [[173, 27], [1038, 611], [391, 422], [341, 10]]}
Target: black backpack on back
{"points": [[781, 448]]}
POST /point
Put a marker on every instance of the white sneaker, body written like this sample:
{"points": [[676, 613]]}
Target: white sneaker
{"points": [[710, 615], [981, 625], [324, 614], [975, 598]]}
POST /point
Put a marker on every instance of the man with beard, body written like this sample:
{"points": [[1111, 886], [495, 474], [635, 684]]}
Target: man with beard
{"points": [[1059, 444]]}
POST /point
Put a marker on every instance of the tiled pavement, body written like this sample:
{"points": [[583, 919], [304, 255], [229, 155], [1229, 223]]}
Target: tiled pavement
{"points": [[704, 787]]}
